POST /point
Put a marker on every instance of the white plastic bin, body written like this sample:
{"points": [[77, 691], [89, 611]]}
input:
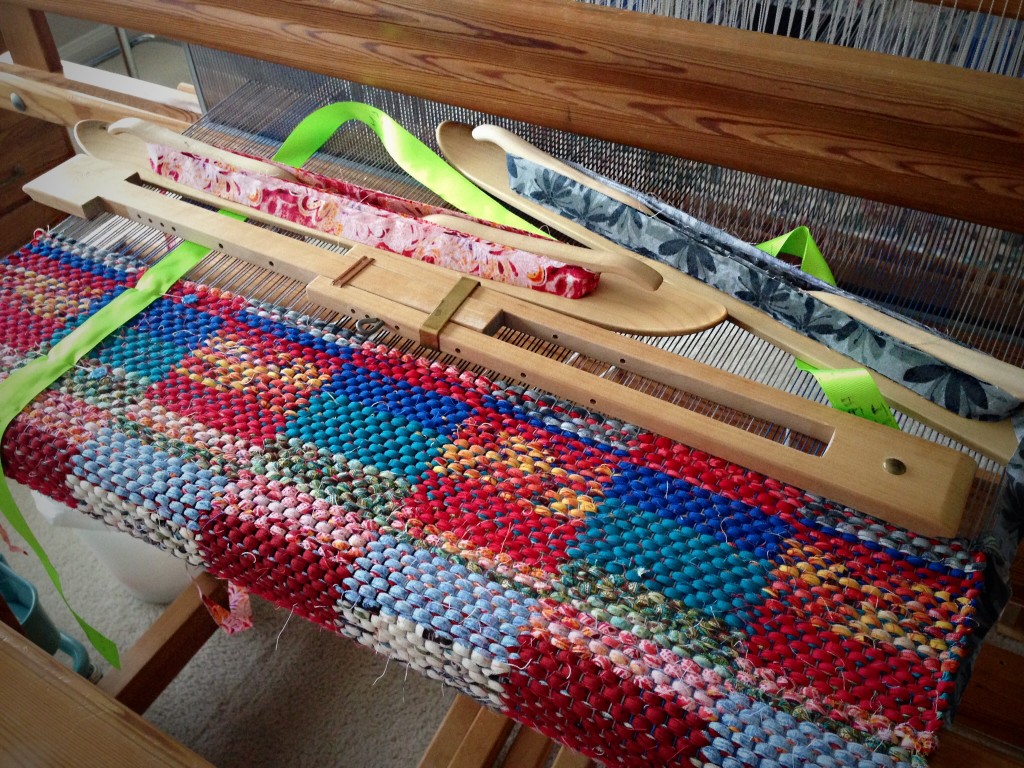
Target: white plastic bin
{"points": [[147, 572]]}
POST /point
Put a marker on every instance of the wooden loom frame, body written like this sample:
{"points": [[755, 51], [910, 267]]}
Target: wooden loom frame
{"points": [[916, 134], [855, 122]]}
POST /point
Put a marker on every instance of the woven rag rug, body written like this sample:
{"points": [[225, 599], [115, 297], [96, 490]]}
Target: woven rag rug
{"points": [[641, 601]]}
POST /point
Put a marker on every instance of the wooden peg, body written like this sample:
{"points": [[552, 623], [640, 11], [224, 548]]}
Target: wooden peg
{"points": [[357, 266]]}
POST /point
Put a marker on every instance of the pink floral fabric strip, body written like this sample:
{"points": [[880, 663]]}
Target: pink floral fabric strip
{"points": [[375, 219], [237, 617], [376, 198]]}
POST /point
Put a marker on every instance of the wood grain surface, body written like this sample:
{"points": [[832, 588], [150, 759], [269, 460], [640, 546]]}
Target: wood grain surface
{"points": [[993, 704], [617, 303], [55, 99], [53, 716], [958, 751], [472, 736], [157, 657], [17, 225], [484, 163], [29, 148], [27, 36], [921, 135]]}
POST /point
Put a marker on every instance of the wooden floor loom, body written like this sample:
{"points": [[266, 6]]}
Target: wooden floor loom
{"points": [[875, 129]]}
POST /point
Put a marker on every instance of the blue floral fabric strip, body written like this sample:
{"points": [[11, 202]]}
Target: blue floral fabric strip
{"points": [[741, 271]]}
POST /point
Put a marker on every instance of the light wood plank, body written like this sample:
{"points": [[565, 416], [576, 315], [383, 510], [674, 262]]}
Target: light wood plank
{"points": [[853, 455], [568, 758], [484, 740], [617, 303], [56, 99], [124, 89], [993, 296], [27, 35], [1007, 377], [929, 497], [53, 716], [881, 127], [529, 750], [150, 665], [484, 163], [449, 736], [995, 439], [482, 152]]}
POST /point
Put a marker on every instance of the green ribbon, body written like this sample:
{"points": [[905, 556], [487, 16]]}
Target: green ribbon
{"points": [[799, 243], [415, 158], [852, 390], [29, 381]]}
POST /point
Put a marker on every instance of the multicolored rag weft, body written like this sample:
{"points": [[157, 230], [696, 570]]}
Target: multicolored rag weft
{"points": [[636, 599]]}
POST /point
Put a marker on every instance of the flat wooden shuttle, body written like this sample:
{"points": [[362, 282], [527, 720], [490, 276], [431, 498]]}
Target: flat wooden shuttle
{"points": [[638, 296]]}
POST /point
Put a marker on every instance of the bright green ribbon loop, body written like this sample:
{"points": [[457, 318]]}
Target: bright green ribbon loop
{"points": [[799, 243], [852, 390], [415, 158]]}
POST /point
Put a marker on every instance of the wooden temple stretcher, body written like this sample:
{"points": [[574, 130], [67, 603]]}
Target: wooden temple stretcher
{"points": [[899, 123]]}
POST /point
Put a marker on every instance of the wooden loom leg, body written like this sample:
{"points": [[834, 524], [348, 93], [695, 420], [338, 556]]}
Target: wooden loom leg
{"points": [[469, 737], [483, 741], [529, 750], [568, 759], [472, 736], [150, 665], [28, 37], [451, 733]]}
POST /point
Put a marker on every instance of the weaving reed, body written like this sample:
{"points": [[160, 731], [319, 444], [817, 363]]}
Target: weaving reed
{"points": [[625, 594]]}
